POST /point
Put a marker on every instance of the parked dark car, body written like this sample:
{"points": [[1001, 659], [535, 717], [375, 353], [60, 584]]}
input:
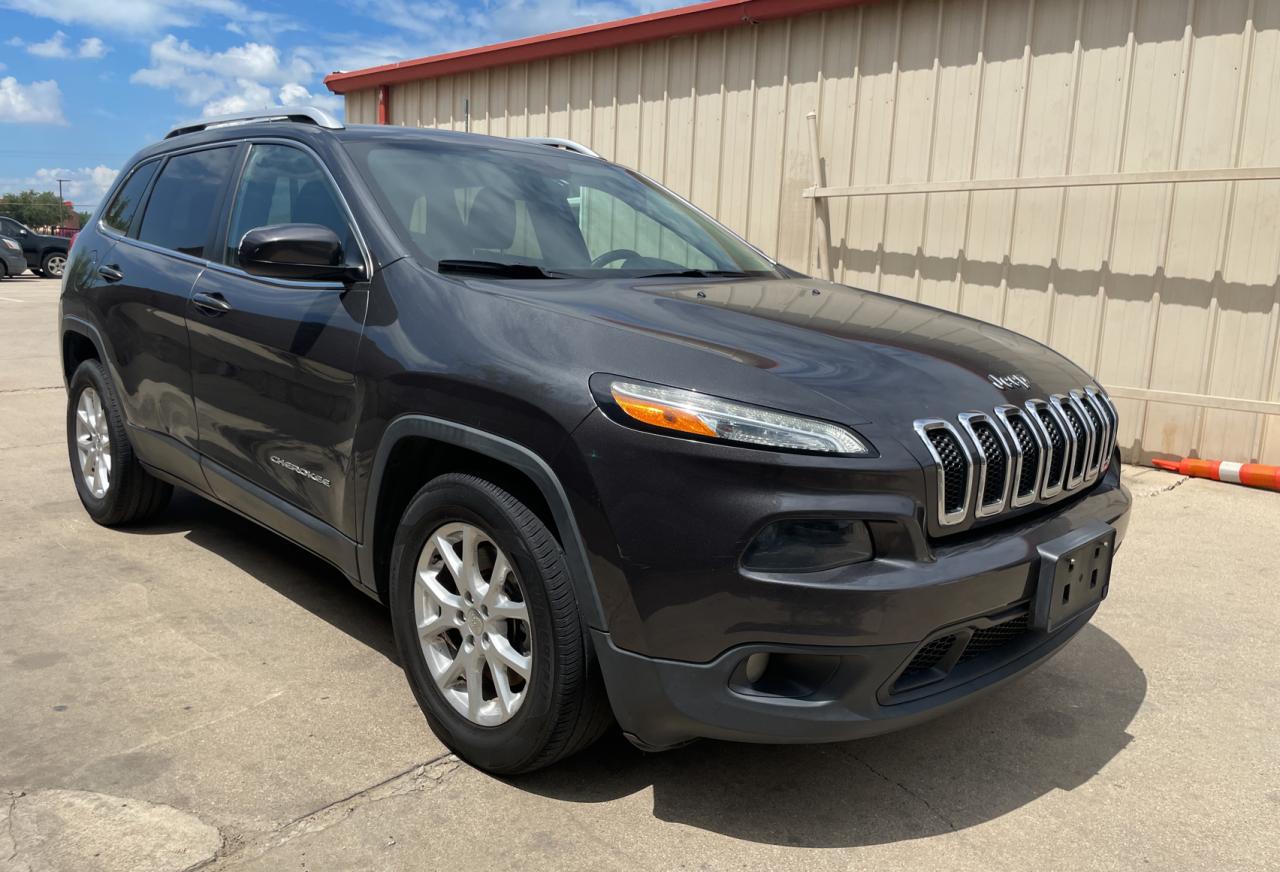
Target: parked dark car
{"points": [[12, 261], [599, 457], [45, 254]]}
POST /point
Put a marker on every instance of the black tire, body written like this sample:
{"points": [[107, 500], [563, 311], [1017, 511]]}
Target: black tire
{"points": [[566, 708], [133, 495], [53, 264]]}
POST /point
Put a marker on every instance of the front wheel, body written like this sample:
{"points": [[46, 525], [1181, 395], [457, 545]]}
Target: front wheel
{"points": [[54, 263], [489, 631]]}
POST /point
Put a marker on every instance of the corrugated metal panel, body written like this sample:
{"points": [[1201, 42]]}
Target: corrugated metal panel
{"points": [[1172, 287]]}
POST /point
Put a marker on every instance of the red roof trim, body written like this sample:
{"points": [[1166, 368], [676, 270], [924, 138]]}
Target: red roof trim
{"points": [[685, 20]]}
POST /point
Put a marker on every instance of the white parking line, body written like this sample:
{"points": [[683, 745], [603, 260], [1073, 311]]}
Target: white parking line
{"points": [[11, 300]]}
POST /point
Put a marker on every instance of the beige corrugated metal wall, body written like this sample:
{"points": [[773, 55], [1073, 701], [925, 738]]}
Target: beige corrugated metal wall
{"points": [[1173, 287]]}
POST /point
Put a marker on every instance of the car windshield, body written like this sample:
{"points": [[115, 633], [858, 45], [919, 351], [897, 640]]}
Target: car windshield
{"points": [[484, 209]]}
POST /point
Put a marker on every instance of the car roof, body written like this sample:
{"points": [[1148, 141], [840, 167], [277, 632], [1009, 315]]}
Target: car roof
{"points": [[314, 134]]}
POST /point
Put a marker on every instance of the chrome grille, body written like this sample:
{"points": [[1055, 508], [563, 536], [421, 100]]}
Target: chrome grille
{"points": [[954, 467], [992, 455], [1017, 456], [1028, 455]]}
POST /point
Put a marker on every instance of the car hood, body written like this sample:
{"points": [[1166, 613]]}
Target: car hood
{"points": [[884, 359]]}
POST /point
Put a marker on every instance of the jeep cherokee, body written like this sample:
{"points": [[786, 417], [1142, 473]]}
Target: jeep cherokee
{"points": [[600, 458]]}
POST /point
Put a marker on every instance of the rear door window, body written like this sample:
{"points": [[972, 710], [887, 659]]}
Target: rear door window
{"points": [[119, 215], [181, 210]]}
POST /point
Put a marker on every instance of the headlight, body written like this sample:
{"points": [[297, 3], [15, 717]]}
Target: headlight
{"points": [[701, 415], [9, 243]]}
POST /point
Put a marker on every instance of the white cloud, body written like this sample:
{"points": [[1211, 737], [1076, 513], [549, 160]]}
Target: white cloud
{"points": [[56, 46], [248, 76], [92, 48], [146, 16], [53, 47], [36, 103]]}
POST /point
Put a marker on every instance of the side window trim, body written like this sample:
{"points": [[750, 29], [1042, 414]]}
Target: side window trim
{"points": [[220, 262], [117, 187], [135, 226], [226, 206], [135, 220]]}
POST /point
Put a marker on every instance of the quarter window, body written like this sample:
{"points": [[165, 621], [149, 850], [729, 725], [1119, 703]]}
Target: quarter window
{"points": [[119, 215], [283, 185], [180, 211]]}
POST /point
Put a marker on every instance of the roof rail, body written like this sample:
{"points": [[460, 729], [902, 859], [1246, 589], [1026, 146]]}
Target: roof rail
{"points": [[566, 144], [302, 114]]}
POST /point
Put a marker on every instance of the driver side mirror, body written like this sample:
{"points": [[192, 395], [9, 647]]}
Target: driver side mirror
{"points": [[301, 252]]}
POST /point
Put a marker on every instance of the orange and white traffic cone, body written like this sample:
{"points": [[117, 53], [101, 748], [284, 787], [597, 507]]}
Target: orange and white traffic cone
{"points": [[1252, 474]]}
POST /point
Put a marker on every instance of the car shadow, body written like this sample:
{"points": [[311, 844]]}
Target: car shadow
{"points": [[288, 569], [1053, 729]]}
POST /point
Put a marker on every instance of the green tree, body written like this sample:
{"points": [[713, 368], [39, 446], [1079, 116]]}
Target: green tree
{"points": [[34, 208]]}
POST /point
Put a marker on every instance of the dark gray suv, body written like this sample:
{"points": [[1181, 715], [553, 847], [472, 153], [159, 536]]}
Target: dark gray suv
{"points": [[600, 458]]}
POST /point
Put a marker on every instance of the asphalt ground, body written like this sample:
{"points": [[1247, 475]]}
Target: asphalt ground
{"points": [[200, 693]]}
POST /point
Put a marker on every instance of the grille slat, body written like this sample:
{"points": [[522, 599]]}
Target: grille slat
{"points": [[1020, 454], [1057, 448], [955, 469], [992, 467], [1078, 440], [1030, 448]]}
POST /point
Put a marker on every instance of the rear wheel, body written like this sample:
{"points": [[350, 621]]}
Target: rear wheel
{"points": [[112, 484], [54, 263], [489, 631]]}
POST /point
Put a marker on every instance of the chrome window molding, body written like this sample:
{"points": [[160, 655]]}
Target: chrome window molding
{"points": [[968, 420], [923, 427], [1006, 414]]}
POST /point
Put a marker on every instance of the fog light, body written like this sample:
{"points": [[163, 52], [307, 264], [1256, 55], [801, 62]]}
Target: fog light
{"points": [[808, 545], [756, 665]]}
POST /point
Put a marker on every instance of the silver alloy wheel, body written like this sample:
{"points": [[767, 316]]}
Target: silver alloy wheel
{"points": [[56, 264], [93, 443], [473, 623]]}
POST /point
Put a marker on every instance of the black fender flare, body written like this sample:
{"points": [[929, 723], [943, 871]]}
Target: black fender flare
{"points": [[504, 451], [76, 324]]}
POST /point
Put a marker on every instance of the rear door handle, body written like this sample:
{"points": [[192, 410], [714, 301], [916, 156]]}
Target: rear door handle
{"points": [[111, 273], [211, 304]]}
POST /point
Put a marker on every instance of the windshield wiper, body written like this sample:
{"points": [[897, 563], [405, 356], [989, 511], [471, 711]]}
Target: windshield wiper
{"points": [[691, 274], [497, 268]]}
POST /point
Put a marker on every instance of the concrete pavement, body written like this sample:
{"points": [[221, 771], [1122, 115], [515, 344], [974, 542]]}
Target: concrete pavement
{"points": [[200, 693]]}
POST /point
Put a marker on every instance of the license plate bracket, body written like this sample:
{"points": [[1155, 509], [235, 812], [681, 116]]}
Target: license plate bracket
{"points": [[1075, 574]]}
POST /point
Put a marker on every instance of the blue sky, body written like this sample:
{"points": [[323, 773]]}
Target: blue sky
{"points": [[85, 83]]}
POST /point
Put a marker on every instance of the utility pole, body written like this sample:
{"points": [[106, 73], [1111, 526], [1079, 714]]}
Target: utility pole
{"points": [[62, 205]]}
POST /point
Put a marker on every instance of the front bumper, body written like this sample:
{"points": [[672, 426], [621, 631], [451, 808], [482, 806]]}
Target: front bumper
{"points": [[15, 263], [852, 684]]}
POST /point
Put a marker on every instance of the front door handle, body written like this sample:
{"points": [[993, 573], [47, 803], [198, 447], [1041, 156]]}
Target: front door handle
{"points": [[211, 304], [111, 273]]}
